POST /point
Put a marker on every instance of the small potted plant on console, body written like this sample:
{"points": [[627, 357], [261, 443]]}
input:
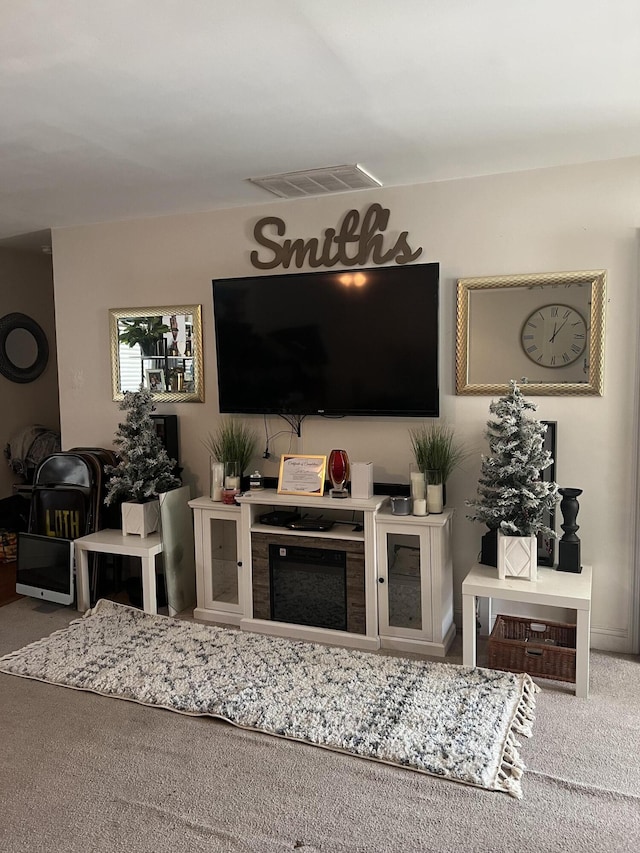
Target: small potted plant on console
{"points": [[231, 448], [144, 470], [437, 453]]}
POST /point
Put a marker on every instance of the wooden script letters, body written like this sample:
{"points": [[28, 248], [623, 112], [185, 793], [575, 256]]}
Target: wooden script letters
{"points": [[366, 239]]}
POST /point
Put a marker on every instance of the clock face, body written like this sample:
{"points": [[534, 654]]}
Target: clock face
{"points": [[554, 335]]}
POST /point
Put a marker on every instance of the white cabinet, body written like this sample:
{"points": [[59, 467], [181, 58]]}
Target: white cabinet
{"points": [[220, 574], [415, 582], [398, 577]]}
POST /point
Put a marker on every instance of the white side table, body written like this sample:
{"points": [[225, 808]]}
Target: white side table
{"points": [[553, 588], [113, 542]]}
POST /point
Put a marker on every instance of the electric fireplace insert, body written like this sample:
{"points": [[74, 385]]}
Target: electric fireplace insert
{"points": [[315, 581], [308, 586]]}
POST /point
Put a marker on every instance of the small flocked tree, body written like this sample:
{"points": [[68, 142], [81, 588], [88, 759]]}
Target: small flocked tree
{"points": [[145, 469], [512, 497]]}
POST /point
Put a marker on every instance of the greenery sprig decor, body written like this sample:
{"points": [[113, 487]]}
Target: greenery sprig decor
{"points": [[233, 441], [436, 448], [145, 331], [144, 469], [512, 496]]}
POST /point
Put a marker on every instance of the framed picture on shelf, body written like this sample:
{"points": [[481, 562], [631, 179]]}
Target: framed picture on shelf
{"points": [[155, 379], [302, 475], [546, 544]]}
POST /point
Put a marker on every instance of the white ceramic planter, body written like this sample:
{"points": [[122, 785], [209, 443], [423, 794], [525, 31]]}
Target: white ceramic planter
{"points": [[517, 557], [140, 519]]}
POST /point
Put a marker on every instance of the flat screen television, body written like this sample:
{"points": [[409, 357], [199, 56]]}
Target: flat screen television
{"points": [[337, 342], [45, 568]]}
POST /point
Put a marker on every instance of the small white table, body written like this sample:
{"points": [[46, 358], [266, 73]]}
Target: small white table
{"points": [[552, 588], [113, 542]]}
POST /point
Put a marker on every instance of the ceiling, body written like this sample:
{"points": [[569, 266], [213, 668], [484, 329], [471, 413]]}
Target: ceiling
{"points": [[118, 109]]}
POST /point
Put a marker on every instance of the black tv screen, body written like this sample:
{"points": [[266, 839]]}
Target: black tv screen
{"points": [[340, 342]]}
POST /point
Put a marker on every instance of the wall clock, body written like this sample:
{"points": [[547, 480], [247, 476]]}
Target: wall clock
{"points": [[554, 335]]}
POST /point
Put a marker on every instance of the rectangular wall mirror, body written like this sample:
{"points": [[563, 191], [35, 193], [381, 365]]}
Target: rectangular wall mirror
{"points": [[546, 331], [159, 348]]}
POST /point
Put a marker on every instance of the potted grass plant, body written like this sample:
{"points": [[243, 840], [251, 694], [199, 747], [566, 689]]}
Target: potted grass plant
{"points": [[437, 453], [231, 447]]}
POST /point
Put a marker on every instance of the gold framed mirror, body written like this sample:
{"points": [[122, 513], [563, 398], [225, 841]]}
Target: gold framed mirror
{"points": [[159, 348], [546, 331]]}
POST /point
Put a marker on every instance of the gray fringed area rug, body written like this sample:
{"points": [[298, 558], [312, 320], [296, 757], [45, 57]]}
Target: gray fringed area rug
{"points": [[449, 721]]}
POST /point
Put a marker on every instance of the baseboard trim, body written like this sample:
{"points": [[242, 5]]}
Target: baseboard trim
{"points": [[611, 640]]}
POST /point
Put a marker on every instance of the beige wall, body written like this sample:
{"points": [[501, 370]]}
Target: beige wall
{"points": [[26, 286], [574, 218]]}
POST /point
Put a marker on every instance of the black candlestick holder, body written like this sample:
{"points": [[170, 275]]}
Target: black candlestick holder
{"points": [[569, 545]]}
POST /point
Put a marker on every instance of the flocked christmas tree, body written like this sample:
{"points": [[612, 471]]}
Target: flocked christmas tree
{"points": [[512, 496], [145, 469]]}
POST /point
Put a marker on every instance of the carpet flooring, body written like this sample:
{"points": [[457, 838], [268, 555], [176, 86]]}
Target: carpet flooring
{"points": [[80, 773]]}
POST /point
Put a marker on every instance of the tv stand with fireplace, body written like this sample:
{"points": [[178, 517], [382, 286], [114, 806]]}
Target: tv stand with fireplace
{"points": [[373, 580]]}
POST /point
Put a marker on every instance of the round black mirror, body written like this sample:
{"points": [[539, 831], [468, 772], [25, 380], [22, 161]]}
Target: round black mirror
{"points": [[24, 350]]}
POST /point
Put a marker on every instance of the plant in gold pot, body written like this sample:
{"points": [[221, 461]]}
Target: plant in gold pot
{"points": [[144, 470]]}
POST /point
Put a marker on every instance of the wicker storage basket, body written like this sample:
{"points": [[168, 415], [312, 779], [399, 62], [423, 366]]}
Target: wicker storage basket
{"points": [[543, 649]]}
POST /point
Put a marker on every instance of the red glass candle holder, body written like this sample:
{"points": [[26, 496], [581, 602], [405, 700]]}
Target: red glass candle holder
{"points": [[338, 471]]}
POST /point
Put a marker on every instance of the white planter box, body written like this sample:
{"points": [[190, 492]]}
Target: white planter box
{"points": [[517, 557], [140, 519]]}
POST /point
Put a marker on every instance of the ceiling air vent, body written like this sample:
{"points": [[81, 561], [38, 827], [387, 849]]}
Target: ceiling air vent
{"points": [[332, 179]]}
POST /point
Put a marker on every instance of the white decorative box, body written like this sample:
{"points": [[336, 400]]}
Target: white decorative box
{"points": [[362, 480]]}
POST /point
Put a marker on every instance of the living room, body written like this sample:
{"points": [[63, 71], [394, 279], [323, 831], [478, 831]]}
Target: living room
{"points": [[463, 226], [572, 216]]}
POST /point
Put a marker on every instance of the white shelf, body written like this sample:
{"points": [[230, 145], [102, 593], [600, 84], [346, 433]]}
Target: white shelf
{"points": [[434, 519], [206, 503], [270, 497], [340, 531]]}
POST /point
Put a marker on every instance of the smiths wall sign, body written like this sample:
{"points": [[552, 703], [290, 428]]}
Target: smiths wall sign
{"points": [[356, 241]]}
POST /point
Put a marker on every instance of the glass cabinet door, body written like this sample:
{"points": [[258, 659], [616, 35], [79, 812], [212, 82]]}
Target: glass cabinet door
{"points": [[223, 580], [403, 581], [403, 590]]}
